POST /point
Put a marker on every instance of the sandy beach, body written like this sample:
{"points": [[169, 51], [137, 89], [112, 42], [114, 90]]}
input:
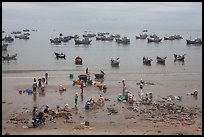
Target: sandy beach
{"points": [[149, 56], [125, 122], [132, 129]]}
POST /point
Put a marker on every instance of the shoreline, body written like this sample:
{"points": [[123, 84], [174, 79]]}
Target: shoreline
{"points": [[100, 121], [115, 129]]}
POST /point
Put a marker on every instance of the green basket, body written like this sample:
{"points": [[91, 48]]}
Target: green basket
{"points": [[71, 75]]}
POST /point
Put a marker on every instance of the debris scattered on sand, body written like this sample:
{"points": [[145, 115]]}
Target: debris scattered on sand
{"points": [[112, 111], [83, 125]]}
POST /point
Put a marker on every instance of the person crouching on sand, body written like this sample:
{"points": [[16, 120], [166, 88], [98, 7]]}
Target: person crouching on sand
{"points": [[101, 86], [66, 107], [87, 105], [104, 88], [131, 99], [61, 88], [101, 99]]}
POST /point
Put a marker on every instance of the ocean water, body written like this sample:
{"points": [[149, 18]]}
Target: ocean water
{"points": [[36, 56]]}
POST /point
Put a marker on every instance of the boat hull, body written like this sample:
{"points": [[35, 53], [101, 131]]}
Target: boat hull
{"points": [[154, 40], [60, 55], [82, 42], [193, 42], [99, 76]]}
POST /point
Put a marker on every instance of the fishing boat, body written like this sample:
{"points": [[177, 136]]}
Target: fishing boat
{"points": [[100, 75], [169, 38], [179, 57], [9, 57], [178, 37], [8, 39], [22, 36], [124, 40], [4, 46], [99, 37], [142, 36], [115, 62], [55, 41], [154, 36], [60, 55], [89, 34], [147, 60], [83, 77], [26, 30], [65, 38], [78, 60], [107, 38], [196, 41], [154, 40], [16, 32], [85, 41], [161, 59], [74, 36], [115, 35]]}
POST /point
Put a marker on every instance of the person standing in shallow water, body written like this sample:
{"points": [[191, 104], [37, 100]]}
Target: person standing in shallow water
{"points": [[124, 86], [34, 80], [141, 86], [39, 81], [34, 112], [34, 86], [46, 78], [76, 99], [82, 87]]}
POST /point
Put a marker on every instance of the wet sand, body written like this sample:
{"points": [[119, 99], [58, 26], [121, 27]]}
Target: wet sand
{"points": [[135, 129], [100, 121]]}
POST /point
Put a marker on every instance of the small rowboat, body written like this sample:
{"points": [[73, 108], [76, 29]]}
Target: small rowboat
{"points": [[60, 55], [179, 57], [8, 57], [161, 59], [115, 62], [78, 60], [100, 76], [146, 60]]}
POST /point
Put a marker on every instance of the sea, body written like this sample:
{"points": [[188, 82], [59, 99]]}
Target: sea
{"points": [[35, 57]]}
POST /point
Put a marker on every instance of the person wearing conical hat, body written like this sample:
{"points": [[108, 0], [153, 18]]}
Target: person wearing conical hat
{"points": [[66, 107]]}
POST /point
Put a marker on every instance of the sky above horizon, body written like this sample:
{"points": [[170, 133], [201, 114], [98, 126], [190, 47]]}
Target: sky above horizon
{"points": [[103, 15]]}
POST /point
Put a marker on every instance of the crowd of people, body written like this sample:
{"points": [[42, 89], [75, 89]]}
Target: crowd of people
{"points": [[40, 82], [125, 96], [92, 104]]}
